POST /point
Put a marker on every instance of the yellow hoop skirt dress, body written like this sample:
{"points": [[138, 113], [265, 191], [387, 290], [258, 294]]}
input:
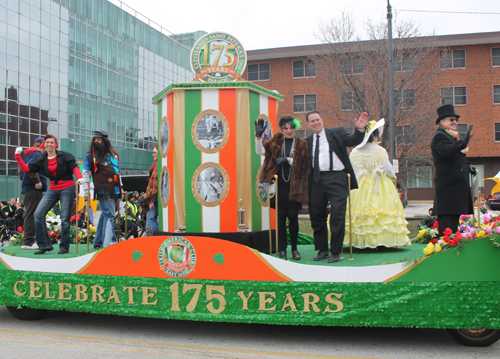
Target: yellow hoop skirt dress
{"points": [[378, 216]]}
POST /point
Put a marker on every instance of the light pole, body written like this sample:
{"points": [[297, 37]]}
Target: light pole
{"points": [[392, 125]]}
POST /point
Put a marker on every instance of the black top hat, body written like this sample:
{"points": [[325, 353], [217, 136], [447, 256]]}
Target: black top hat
{"points": [[446, 110], [100, 134]]}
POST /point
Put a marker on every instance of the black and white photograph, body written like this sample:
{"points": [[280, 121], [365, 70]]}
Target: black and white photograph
{"points": [[210, 184], [164, 136], [164, 186], [268, 132], [210, 131]]}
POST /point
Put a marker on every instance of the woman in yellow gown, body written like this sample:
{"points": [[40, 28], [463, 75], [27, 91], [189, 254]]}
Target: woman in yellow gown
{"points": [[378, 216]]}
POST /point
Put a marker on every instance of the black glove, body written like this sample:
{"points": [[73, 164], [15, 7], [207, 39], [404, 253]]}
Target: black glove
{"points": [[472, 170], [280, 160], [260, 127], [468, 135]]}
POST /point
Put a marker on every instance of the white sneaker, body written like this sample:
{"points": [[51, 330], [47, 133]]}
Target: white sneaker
{"points": [[33, 246]]}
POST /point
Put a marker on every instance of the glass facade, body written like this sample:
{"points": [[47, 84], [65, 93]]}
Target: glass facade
{"points": [[69, 67]]}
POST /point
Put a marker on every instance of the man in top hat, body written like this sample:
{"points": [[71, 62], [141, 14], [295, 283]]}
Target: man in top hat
{"points": [[451, 179], [102, 164], [32, 187]]}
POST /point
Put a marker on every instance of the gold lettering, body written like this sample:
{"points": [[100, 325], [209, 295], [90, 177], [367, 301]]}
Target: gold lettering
{"points": [[16, 289], [244, 299], [219, 297], [130, 291], [308, 302], [196, 296], [174, 290], [47, 291], [113, 295], [97, 291], [338, 303], [263, 300], [34, 289], [81, 293], [146, 295], [289, 303], [63, 291]]}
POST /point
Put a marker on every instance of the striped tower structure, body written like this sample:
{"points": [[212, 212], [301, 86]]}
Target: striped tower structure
{"points": [[207, 165]]}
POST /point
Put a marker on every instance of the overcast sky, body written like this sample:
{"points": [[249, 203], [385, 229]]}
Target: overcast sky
{"points": [[260, 24]]}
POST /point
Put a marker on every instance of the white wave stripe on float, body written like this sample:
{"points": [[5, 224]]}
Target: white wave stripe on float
{"points": [[210, 215], [56, 265], [264, 110]]}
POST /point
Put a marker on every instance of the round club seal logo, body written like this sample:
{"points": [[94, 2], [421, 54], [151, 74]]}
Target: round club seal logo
{"points": [[177, 257], [218, 57]]}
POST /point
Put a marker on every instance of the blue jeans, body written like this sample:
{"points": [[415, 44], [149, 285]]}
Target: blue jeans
{"points": [[152, 220], [66, 197], [105, 234]]}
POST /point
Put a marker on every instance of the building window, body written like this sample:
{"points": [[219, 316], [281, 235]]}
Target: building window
{"points": [[497, 131], [304, 68], [304, 103], [404, 98], [495, 56], [406, 135], [352, 65], [454, 95], [462, 129], [403, 62], [496, 94], [452, 59], [352, 100], [257, 72], [420, 176]]}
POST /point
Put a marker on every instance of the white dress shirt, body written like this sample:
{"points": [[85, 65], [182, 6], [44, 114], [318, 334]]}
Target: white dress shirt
{"points": [[324, 154]]}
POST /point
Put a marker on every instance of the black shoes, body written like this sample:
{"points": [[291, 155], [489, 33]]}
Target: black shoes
{"points": [[334, 258], [97, 247], [42, 251], [323, 254], [295, 255], [63, 251], [282, 254]]}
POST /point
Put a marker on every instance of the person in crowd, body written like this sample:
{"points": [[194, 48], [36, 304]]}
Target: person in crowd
{"points": [[19, 216], [451, 180], [32, 187], [5, 214], [130, 216], [328, 181], [59, 167], [150, 200], [430, 219], [12, 206], [102, 164], [377, 214], [6, 209], [287, 156]]}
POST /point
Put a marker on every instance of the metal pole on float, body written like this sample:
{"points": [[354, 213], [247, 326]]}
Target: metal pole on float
{"points": [[118, 234], [76, 215], [87, 210], [276, 201], [126, 215], [350, 216]]}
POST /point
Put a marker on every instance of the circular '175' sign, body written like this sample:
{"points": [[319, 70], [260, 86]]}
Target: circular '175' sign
{"points": [[218, 57]]}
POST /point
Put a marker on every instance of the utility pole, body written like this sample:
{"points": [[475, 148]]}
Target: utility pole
{"points": [[392, 125]]}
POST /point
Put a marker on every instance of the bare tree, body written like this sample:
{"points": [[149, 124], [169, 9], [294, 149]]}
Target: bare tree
{"points": [[355, 76]]}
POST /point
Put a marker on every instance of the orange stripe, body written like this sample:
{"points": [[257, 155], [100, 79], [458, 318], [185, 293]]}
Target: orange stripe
{"points": [[170, 159], [272, 114], [227, 159]]}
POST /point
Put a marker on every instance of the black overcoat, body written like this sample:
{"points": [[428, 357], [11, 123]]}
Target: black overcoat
{"points": [[451, 178]]}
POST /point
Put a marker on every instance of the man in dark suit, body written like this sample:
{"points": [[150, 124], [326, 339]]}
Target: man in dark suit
{"points": [[451, 178], [328, 181]]}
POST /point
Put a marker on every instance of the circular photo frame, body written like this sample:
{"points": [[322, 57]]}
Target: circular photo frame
{"points": [[261, 190], [210, 131], [164, 186], [164, 137], [269, 132], [210, 184]]}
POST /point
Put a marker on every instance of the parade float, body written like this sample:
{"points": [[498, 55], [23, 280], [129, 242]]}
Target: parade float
{"points": [[214, 256]]}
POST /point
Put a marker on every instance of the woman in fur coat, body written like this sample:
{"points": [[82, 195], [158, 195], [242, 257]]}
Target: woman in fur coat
{"points": [[287, 156]]}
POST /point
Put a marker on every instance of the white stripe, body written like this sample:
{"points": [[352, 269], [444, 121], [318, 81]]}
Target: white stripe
{"points": [[264, 110], [210, 215], [164, 162]]}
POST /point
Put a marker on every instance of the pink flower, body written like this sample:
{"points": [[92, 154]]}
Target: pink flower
{"points": [[487, 217], [472, 233], [487, 229], [466, 235], [498, 230]]}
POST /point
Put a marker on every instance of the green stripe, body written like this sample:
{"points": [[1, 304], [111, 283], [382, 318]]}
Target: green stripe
{"points": [[192, 160], [255, 163], [160, 206]]}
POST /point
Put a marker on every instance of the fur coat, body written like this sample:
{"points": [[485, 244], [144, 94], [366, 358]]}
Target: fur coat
{"points": [[299, 183]]}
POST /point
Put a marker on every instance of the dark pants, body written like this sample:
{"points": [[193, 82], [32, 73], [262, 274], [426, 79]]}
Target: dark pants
{"points": [[293, 225], [31, 201], [332, 187], [448, 221]]}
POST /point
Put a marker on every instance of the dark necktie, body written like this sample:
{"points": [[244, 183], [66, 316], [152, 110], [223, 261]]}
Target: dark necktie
{"points": [[316, 175]]}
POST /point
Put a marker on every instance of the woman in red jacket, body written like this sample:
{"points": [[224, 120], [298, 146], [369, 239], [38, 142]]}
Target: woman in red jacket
{"points": [[59, 167]]}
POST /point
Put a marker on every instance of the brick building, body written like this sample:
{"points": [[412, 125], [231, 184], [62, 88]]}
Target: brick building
{"points": [[468, 76]]}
